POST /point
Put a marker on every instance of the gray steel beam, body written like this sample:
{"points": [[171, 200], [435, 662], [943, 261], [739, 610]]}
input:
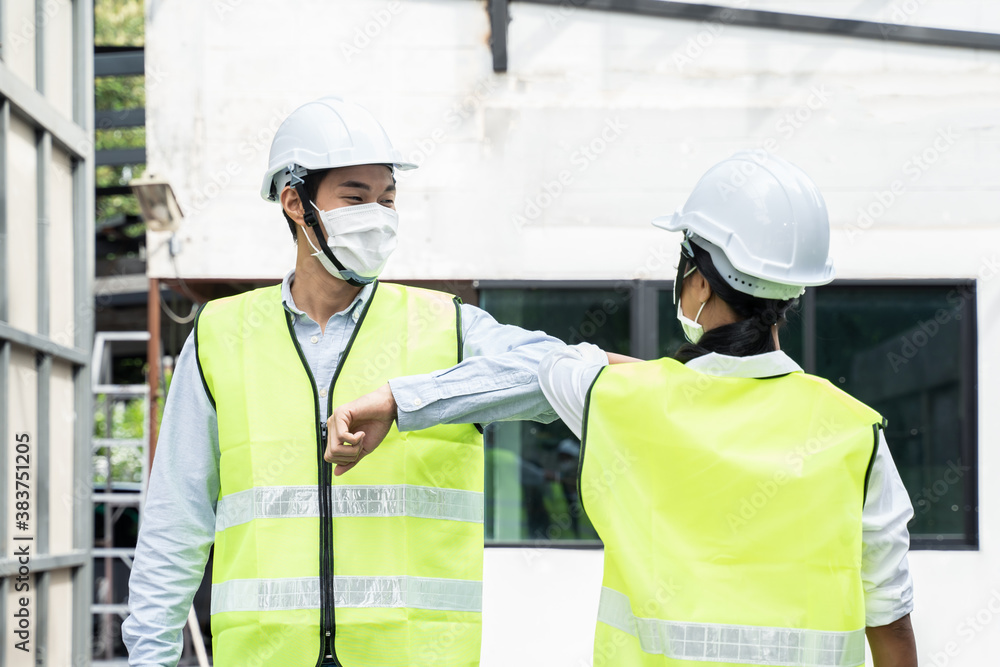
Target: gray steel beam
{"points": [[83, 307], [104, 120], [4, 345], [4, 264], [645, 322], [42, 615], [499, 18], [44, 364], [42, 345], [44, 163], [83, 64], [753, 18], [43, 458], [83, 509], [47, 563], [40, 46], [35, 109], [120, 63], [4, 491], [120, 156]]}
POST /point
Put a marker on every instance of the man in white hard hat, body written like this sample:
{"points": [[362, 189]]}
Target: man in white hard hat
{"points": [[380, 567]]}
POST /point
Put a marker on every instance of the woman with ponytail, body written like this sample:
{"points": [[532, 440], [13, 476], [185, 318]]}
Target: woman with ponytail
{"points": [[740, 325], [750, 512]]}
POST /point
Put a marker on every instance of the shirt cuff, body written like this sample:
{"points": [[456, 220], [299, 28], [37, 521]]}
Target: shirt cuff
{"points": [[417, 404], [451, 395], [889, 603]]}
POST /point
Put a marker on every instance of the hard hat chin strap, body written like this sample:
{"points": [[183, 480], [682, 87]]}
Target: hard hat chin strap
{"points": [[309, 216]]}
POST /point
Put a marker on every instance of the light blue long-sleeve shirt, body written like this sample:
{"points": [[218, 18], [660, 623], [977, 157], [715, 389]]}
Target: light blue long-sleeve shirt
{"points": [[497, 381]]}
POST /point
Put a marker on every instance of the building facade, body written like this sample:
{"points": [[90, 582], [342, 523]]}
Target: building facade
{"points": [[534, 194]]}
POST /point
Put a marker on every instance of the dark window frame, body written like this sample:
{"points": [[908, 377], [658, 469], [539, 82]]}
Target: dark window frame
{"points": [[644, 342], [969, 445], [630, 287]]}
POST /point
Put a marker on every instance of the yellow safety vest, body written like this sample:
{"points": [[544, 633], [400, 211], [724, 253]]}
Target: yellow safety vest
{"points": [[393, 575], [730, 510]]}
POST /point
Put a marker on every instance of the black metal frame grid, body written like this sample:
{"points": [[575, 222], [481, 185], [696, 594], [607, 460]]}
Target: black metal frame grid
{"points": [[644, 324], [119, 61]]}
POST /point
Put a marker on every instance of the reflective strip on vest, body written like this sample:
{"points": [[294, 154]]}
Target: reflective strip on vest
{"points": [[746, 644], [280, 502], [255, 595]]}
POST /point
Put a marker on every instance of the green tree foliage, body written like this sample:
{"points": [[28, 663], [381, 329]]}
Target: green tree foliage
{"points": [[120, 137], [115, 93], [110, 206], [118, 419], [119, 23]]}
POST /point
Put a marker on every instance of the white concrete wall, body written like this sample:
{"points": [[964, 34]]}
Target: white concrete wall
{"points": [[904, 141]]}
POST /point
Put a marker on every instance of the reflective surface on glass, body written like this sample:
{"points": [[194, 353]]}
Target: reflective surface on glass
{"points": [[532, 468]]}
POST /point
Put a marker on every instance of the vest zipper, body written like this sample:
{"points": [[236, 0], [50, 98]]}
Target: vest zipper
{"points": [[327, 617], [327, 620]]}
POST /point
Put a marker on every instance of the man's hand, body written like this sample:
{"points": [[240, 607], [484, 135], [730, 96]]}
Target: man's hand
{"points": [[355, 429]]}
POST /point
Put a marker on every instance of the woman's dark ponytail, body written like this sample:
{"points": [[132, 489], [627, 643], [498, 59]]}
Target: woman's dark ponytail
{"points": [[758, 317]]}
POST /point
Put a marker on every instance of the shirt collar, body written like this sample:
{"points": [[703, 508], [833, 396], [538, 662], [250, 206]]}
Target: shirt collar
{"points": [[766, 365], [289, 302]]}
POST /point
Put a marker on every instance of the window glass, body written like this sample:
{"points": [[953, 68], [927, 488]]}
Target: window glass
{"points": [[532, 468], [905, 350], [671, 335], [791, 338], [900, 350]]}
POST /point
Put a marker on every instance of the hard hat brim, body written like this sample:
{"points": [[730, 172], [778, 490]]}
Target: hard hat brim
{"points": [[269, 177], [668, 222], [679, 222]]}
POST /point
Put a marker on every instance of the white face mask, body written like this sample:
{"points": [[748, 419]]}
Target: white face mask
{"points": [[692, 330], [361, 237]]}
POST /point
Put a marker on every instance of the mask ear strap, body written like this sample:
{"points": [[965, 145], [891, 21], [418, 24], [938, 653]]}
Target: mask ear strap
{"points": [[309, 216], [687, 256], [699, 311]]}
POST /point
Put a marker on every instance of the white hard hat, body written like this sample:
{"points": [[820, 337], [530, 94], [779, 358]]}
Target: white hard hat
{"points": [[764, 223], [325, 134]]}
